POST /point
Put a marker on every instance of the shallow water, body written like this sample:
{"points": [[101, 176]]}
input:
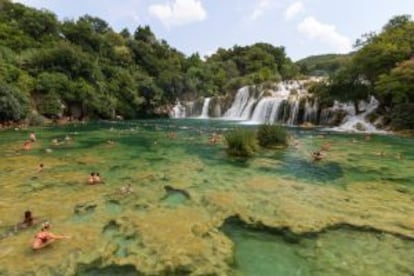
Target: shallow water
{"points": [[153, 229]]}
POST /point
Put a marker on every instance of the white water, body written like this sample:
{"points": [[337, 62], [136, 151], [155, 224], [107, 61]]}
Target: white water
{"points": [[288, 103], [178, 111], [266, 110], [359, 123], [206, 105], [236, 110]]}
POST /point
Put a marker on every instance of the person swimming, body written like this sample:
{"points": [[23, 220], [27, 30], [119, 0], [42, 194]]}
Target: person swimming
{"points": [[97, 178], [317, 156], [27, 145], [91, 178], [32, 137], [44, 237], [28, 218], [28, 221]]}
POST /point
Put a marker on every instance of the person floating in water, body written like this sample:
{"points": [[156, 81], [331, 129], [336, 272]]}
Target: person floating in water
{"points": [[214, 138], [41, 167], [27, 145], [28, 221], [126, 189], [32, 137], [317, 155], [97, 178], [44, 237], [91, 178]]}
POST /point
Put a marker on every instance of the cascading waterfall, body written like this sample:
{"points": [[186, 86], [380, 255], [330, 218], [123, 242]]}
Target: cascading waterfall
{"points": [[239, 105], [311, 111], [288, 103], [206, 105], [178, 111], [294, 110], [266, 110], [358, 122]]}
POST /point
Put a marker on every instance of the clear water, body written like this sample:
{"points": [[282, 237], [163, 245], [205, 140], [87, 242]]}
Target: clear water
{"points": [[142, 230]]}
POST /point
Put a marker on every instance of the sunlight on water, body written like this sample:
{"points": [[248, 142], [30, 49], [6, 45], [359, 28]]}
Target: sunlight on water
{"points": [[164, 183]]}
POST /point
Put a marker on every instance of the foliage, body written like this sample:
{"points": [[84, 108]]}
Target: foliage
{"points": [[241, 142], [13, 103], [271, 135], [84, 62], [397, 86], [402, 116], [383, 67], [322, 65]]}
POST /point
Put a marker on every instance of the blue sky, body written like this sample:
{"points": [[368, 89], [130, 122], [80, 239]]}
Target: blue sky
{"points": [[303, 27]]}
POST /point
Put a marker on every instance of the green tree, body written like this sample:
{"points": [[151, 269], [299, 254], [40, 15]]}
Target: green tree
{"points": [[14, 105]]}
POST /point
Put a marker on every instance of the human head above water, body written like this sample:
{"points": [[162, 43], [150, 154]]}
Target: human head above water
{"points": [[45, 225], [27, 214]]}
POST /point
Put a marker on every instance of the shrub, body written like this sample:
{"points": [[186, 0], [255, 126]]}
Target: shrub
{"points": [[272, 135], [241, 142], [14, 105], [36, 120], [402, 116]]}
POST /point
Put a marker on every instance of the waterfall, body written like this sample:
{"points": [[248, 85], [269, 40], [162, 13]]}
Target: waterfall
{"points": [[239, 104], [178, 111], [358, 122], [311, 112], [287, 103], [267, 110], [206, 105], [294, 110]]}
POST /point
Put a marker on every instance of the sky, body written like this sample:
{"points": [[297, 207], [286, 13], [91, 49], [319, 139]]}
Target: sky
{"points": [[303, 27]]}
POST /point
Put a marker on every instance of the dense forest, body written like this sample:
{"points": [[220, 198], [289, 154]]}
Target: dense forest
{"points": [[84, 69]]}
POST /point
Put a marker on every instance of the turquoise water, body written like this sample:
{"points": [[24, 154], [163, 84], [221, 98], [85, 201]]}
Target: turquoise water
{"points": [[337, 252], [114, 231]]}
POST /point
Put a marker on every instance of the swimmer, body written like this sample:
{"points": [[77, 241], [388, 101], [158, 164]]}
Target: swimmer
{"points": [[317, 156], [32, 137], [326, 147], [28, 220], [44, 237], [41, 167], [110, 142], [97, 178], [27, 145], [91, 178], [127, 189]]}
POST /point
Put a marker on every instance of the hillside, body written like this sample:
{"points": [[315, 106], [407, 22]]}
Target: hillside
{"points": [[322, 65]]}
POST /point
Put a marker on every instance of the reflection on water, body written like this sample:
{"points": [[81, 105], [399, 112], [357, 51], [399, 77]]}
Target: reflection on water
{"points": [[121, 233]]}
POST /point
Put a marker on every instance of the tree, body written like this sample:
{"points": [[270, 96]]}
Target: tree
{"points": [[14, 105], [398, 86]]}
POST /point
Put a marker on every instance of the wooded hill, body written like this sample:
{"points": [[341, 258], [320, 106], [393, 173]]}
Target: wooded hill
{"points": [[84, 68]]}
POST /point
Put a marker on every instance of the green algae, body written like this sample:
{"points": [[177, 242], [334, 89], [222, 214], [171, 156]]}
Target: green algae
{"points": [[343, 251], [158, 231]]}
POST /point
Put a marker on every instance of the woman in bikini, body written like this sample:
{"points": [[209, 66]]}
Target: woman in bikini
{"points": [[44, 237]]}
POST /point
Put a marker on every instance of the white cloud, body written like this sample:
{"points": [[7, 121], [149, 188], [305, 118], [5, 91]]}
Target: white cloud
{"points": [[325, 33], [294, 9], [178, 12], [261, 7]]}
